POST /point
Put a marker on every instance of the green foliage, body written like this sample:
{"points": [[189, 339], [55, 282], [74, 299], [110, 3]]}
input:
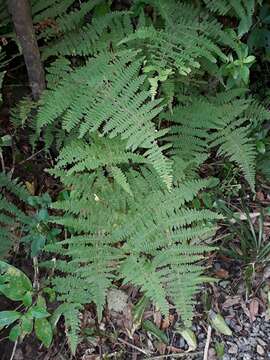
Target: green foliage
{"points": [[18, 225], [253, 243], [11, 216], [16, 286], [110, 100], [119, 236], [242, 9], [223, 122], [127, 112]]}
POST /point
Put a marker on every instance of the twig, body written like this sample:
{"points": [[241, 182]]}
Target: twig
{"points": [[176, 355], [145, 352], [2, 162], [36, 273], [14, 350], [30, 157], [208, 339]]}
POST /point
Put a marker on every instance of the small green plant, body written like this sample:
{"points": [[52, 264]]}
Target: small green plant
{"points": [[38, 231], [23, 218], [236, 71], [248, 240], [31, 314]]}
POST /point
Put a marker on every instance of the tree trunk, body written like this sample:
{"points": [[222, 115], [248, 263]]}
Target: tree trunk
{"points": [[20, 11]]}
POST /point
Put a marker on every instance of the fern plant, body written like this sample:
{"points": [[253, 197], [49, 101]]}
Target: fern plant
{"points": [[111, 98], [118, 236], [224, 122], [126, 106], [243, 9]]}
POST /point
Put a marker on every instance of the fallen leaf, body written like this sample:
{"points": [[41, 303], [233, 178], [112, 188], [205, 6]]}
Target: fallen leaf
{"points": [[222, 274], [190, 338], [260, 196], [219, 323], [30, 187], [173, 349], [212, 354], [167, 322], [245, 309], [157, 318], [253, 309], [231, 301]]}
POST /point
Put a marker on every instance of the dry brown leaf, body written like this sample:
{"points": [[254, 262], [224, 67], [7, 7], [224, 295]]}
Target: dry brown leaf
{"points": [[231, 301], [245, 308], [222, 274], [157, 318], [260, 196], [253, 309], [173, 349]]}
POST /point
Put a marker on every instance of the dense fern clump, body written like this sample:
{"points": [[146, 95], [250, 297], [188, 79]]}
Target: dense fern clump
{"points": [[115, 235], [129, 112]]}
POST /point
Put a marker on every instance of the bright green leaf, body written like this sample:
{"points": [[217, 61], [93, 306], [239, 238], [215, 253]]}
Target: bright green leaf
{"points": [[43, 331], [154, 330], [27, 299], [8, 317], [14, 333], [219, 324], [190, 338]]}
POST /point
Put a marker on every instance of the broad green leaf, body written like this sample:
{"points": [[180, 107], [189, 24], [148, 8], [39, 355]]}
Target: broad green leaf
{"points": [[219, 324], [14, 333], [138, 311], [27, 299], [27, 324], [5, 140], [154, 330], [190, 338], [8, 317], [38, 312], [43, 331], [244, 73], [14, 284], [38, 243]]}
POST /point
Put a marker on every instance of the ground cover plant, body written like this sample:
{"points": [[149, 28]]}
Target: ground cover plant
{"points": [[137, 161]]}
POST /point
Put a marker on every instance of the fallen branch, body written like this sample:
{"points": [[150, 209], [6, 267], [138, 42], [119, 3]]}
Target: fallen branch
{"points": [[207, 344]]}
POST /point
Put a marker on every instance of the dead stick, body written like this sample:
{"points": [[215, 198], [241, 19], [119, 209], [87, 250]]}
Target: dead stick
{"points": [[207, 344]]}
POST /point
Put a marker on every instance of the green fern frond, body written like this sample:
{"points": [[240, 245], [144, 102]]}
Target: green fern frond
{"points": [[239, 148], [243, 9], [110, 100], [220, 122], [11, 217]]}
